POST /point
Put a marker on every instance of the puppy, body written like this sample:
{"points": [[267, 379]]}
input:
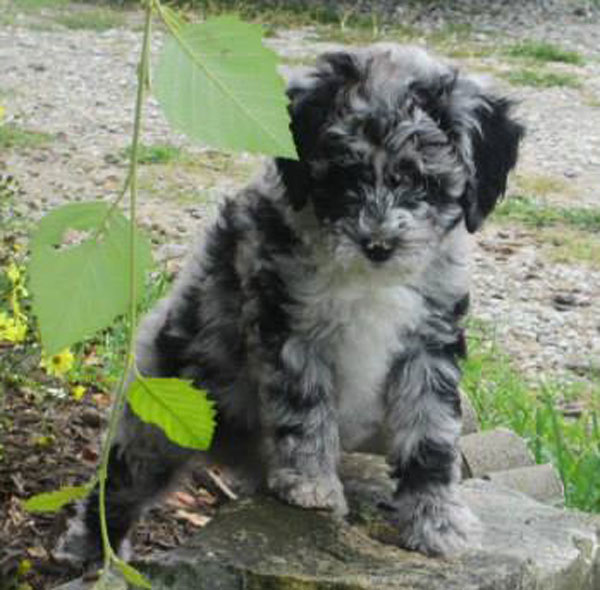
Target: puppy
{"points": [[322, 312]]}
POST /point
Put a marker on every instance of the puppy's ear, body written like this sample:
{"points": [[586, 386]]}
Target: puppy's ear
{"points": [[312, 104], [494, 148], [295, 176]]}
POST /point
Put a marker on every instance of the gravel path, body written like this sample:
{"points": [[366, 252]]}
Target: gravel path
{"points": [[79, 85]]}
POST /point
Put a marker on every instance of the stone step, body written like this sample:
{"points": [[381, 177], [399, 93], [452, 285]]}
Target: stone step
{"points": [[262, 544]]}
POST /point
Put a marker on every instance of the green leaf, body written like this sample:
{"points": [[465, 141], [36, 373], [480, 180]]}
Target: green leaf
{"points": [[54, 501], [217, 83], [185, 414], [132, 575], [79, 275], [110, 580]]}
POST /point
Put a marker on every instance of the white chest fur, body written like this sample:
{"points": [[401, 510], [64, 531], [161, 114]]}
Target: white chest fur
{"points": [[373, 322]]}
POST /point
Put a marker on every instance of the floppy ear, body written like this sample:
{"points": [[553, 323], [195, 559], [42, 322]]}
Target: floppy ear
{"points": [[495, 144], [312, 101]]}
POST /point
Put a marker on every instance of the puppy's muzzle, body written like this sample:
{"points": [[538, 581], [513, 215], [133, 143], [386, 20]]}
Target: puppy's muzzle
{"points": [[378, 250]]}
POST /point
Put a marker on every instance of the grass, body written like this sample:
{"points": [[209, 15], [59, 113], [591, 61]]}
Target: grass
{"points": [[502, 397], [38, 5], [535, 213], [542, 79], [567, 246], [544, 52], [15, 137], [567, 235], [541, 185], [96, 19], [160, 153]]}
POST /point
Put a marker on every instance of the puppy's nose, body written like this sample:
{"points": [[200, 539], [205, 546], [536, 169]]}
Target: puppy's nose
{"points": [[377, 250]]}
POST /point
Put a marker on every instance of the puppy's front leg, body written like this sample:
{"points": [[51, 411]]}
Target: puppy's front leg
{"points": [[424, 422], [301, 431]]}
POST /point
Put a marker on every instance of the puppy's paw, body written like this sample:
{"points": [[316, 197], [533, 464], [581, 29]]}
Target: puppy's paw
{"points": [[76, 547], [79, 548], [436, 524], [323, 492]]}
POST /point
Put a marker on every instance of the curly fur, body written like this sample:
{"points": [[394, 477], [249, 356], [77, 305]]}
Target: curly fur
{"points": [[322, 310]]}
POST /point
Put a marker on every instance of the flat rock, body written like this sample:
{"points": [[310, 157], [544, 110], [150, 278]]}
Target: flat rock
{"points": [[260, 543]]}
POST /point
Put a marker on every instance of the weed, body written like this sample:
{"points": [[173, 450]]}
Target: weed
{"points": [[541, 79], [567, 245], [544, 52], [541, 185], [451, 32], [534, 213], [590, 99], [97, 19], [37, 5], [14, 137], [156, 154], [502, 397]]}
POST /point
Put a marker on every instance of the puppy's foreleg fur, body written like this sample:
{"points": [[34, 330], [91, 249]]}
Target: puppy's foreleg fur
{"points": [[424, 421], [301, 432]]}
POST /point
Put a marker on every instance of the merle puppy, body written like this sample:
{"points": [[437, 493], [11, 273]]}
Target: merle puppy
{"points": [[322, 310]]}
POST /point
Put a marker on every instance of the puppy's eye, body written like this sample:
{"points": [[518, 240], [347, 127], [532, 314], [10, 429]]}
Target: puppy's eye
{"points": [[396, 178]]}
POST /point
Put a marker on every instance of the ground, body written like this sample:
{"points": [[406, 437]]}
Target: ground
{"points": [[67, 83]]}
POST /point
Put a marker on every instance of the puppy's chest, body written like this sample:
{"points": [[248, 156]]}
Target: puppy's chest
{"points": [[370, 328]]}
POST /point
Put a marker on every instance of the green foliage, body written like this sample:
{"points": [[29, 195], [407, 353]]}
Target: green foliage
{"points": [[162, 153], [54, 501], [184, 414], [503, 397], [35, 5], [99, 360], [13, 137], [132, 575], [96, 19], [544, 52], [79, 257], [541, 79], [538, 214], [219, 84]]}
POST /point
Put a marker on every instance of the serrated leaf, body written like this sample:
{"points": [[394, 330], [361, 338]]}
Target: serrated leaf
{"points": [[132, 575], [218, 84], [54, 501], [81, 286], [184, 413]]}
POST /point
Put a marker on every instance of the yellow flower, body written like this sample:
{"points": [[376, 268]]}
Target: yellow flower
{"points": [[13, 273], [1, 113], [11, 330], [78, 392], [58, 364], [24, 567]]}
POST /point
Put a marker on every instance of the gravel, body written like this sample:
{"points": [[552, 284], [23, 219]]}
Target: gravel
{"points": [[79, 86]]}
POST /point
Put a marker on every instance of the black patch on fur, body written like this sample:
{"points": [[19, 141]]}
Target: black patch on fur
{"points": [[295, 176], [461, 307], [310, 109], [221, 248], [170, 350], [287, 430], [431, 464], [432, 97], [495, 151], [272, 296], [119, 510], [277, 236]]}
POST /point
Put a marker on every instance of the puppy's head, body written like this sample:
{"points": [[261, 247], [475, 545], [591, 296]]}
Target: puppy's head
{"points": [[396, 149]]}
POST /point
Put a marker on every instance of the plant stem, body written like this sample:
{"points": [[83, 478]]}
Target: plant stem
{"points": [[119, 402]]}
